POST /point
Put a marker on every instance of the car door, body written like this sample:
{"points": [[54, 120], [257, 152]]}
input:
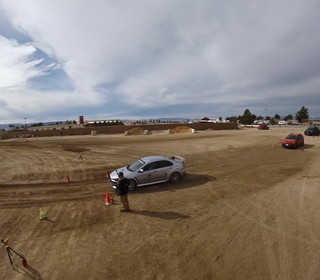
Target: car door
{"points": [[300, 140], [146, 173], [162, 170]]}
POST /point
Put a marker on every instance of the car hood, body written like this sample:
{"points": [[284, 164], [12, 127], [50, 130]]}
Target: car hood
{"points": [[289, 140], [126, 173]]}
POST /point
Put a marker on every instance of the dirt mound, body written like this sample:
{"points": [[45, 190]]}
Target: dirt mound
{"points": [[135, 131], [181, 129]]}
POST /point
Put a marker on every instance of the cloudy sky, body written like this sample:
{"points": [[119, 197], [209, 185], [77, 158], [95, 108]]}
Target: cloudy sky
{"points": [[141, 59]]}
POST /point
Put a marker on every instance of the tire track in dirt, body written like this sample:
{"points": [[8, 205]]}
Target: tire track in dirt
{"points": [[37, 194], [16, 164], [308, 216], [278, 261]]}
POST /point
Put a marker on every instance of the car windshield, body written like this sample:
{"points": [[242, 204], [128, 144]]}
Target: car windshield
{"points": [[292, 136], [136, 165]]}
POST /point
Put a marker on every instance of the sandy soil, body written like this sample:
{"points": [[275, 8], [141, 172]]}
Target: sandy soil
{"points": [[245, 210]]}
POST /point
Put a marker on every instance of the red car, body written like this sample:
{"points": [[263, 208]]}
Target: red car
{"points": [[263, 127], [293, 140]]}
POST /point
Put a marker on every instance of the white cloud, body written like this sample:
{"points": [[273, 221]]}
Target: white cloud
{"points": [[16, 64]]}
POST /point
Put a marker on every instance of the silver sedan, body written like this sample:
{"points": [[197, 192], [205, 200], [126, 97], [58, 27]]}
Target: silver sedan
{"points": [[151, 170]]}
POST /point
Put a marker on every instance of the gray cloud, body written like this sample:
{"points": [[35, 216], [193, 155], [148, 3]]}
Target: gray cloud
{"points": [[157, 55]]}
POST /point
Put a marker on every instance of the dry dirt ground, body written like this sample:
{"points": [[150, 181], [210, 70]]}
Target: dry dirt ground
{"points": [[245, 210]]}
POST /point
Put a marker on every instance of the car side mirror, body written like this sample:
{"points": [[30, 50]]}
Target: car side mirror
{"points": [[141, 170]]}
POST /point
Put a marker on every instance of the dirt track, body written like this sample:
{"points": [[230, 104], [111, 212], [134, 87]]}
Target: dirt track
{"points": [[244, 210]]}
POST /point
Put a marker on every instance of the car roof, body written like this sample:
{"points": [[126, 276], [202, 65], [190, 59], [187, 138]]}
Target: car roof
{"points": [[153, 158]]}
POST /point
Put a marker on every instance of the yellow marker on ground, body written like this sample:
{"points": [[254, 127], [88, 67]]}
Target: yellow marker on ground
{"points": [[43, 214]]}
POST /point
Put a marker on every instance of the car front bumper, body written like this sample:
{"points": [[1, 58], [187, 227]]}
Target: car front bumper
{"points": [[289, 145]]}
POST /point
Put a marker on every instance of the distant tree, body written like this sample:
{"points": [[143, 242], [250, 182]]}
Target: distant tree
{"points": [[288, 117], [247, 117], [232, 119], [277, 117], [268, 118], [273, 121], [302, 114], [37, 124], [260, 118]]}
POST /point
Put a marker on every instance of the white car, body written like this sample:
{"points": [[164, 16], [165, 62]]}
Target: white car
{"points": [[151, 170]]}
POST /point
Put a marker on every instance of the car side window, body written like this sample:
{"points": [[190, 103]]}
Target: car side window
{"points": [[149, 166], [163, 163]]}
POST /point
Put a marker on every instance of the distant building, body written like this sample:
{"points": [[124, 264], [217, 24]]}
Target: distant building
{"points": [[205, 119], [81, 120], [102, 123], [216, 120], [90, 123]]}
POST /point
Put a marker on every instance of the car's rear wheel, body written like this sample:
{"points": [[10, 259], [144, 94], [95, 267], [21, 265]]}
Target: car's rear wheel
{"points": [[132, 184], [175, 177]]}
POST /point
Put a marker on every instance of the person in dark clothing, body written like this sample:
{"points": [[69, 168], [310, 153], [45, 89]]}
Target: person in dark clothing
{"points": [[122, 191]]}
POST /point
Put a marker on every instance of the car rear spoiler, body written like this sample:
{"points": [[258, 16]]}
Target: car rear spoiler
{"points": [[178, 158]]}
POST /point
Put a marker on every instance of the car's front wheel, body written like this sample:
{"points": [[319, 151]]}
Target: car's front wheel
{"points": [[132, 184], [175, 177]]}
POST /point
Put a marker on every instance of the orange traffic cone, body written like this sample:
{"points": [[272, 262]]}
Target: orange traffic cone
{"points": [[108, 199], [107, 174], [68, 179]]}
